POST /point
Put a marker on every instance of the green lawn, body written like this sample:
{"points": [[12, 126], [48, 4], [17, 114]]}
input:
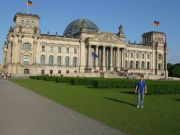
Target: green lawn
{"points": [[160, 115]]}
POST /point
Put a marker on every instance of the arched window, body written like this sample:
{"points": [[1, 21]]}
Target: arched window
{"points": [[160, 56], [42, 59], [159, 66], [59, 60], [67, 61], [26, 47], [75, 61], [137, 64], [51, 59], [143, 65], [131, 64], [148, 65]]}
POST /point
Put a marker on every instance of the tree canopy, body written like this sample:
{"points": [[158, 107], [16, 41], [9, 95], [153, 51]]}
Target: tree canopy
{"points": [[174, 70]]}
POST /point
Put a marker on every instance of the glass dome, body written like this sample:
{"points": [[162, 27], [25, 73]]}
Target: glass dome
{"points": [[75, 26]]}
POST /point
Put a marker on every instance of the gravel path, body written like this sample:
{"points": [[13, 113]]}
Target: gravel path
{"points": [[23, 112]]}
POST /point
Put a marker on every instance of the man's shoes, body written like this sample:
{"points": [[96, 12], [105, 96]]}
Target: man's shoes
{"points": [[142, 107], [138, 106]]}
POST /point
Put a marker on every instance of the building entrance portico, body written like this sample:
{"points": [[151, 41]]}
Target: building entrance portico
{"points": [[104, 58]]}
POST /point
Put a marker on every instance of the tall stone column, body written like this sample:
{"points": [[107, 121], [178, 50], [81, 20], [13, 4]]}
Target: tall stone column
{"points": [[111, 58], [104, 56], [89, 57], [118, 59], [153, 60], [34, 51], [134, 63], [19, 50], [82, 54], [156, 62], [145, 63], [97, 58], [123, 58]]}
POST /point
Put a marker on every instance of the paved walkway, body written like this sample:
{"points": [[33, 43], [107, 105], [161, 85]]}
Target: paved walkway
{"points": [[23, 112]]}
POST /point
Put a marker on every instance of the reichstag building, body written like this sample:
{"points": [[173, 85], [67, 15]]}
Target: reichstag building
{"points": [[83, 49]]}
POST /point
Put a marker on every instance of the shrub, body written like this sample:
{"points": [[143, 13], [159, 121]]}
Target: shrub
{"points": [[63, 79], [154, 86], [83, 81]]}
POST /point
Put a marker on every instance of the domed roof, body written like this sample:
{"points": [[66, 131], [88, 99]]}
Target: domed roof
{"points": [[75, 26]]}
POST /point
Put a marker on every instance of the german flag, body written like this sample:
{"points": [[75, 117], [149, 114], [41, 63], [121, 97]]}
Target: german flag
{"points": [[29, 3], [156, 23]]}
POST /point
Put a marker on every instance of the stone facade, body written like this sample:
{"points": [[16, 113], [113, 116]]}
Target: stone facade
{"points": [[83, 49]]}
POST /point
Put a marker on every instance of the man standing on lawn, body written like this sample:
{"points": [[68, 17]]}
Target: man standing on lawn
{"points": [[140, 90]]}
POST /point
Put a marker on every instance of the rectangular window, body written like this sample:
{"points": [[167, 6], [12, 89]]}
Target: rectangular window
{"points": [[26, 60], [75, 50], [59, 49], [67, 50], [43, 48], [67, 71], [51, 49], [59, 71], [126, 64], [51, 72], [42, 72], [26, 71]]}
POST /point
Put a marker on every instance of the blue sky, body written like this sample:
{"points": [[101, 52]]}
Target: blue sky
{"points": [[135, 15]]}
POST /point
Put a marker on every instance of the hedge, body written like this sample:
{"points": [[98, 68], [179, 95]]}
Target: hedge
{"points": [[64, 79], [84, 81], [154, 86], [114, 83]]}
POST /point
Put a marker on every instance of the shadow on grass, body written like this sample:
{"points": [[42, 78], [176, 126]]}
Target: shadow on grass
{"points": [[120, 101], [128, 92], [177, 99]]}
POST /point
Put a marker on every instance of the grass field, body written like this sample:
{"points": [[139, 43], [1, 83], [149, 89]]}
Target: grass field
{"points": [[115, 107]]}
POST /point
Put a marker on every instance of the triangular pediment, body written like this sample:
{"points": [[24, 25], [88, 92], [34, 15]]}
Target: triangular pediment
{"points": [[107, 38]]}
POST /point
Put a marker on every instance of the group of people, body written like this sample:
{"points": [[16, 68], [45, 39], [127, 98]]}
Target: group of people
{"points": [[5, 76], [128, 75]]}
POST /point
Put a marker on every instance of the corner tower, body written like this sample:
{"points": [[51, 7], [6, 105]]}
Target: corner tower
{"points": [[154, 38], [157, 40], [20, 48], [26, 23]]}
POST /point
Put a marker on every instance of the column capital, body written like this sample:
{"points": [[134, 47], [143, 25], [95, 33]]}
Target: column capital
{"points": [[104, 47]]}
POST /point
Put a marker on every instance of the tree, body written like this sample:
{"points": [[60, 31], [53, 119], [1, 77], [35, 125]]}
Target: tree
{"points": [[174, 69]]}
